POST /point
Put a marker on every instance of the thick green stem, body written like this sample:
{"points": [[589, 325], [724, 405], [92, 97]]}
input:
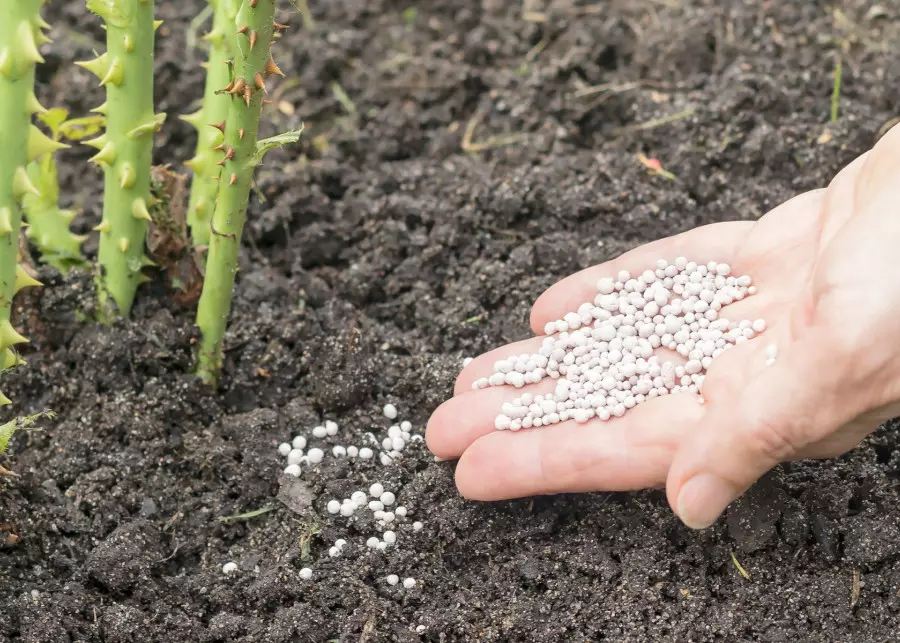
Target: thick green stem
{"points": [[126, 70], [252, 65], [214, 110], [20, 142]]}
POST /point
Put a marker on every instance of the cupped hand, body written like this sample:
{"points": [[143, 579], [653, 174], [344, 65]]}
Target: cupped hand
{"points": [[826, 268]]}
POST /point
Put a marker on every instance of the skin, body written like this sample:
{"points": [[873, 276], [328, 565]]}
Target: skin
{"points": [[823, 263]]}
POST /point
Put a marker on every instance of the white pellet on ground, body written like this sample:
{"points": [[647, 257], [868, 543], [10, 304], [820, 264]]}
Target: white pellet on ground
{"points": [[333, 507], [417, 526], [315, 456], [409, 583], [229, 568], [331, 428], [387, 498], [299, 442], [376, 490], [602, 355], [306, 573], [390, 411], [393, 579], [293, 470], [284, 448], [319, 432]]}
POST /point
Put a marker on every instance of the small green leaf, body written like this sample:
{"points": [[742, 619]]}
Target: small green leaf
{"points": [[54, 119], [7, 430], [78, 129], [268, 144]]}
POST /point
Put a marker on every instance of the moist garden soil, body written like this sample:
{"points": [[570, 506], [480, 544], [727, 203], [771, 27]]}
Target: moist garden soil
{"points": [[458, 158]]}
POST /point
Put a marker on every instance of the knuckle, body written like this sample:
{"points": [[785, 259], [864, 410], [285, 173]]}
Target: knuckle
{"points": [[774, 437]]}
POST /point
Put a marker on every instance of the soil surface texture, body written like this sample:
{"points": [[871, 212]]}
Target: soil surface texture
{"points": [[459, 157]]}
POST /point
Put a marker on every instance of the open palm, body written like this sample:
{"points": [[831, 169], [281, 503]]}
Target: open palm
{"points": [[811, 260]]}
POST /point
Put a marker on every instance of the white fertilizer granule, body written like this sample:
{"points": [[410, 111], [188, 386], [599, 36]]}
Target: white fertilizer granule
{"points": [[602, 355]]}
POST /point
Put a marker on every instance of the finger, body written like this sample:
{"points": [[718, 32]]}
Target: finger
{"points": [[755, 421], [879, 173], [483, 365], [631, 452], [462, 419], [715, 242]]}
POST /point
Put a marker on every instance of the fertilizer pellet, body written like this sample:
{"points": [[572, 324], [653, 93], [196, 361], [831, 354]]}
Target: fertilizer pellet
{"points": [[331, 428], [393, 579], [366, 453], [292, 470], [376, 490], [333, 507], [390, 411], [348, 509], [409, 583], [359, 498], [338, 451], [406, 426], [387, 498], [372, 542], [229, 568], [306, 573], [376, 505], [334, 552], [315, 456], [389, 537], [400, 511], [339, 543], [417, 526], [295, 456], [319, 432], [378, 514], [352, 452], [385, 459], [299, 442], [771, 354], [382, 546], [284, 448], [602, 356], [388, 516]]}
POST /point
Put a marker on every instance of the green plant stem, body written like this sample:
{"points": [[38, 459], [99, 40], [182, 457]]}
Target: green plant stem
{"points": [[836, 91], [126, 70], [241, 130], [205, 183], [20, 142]]}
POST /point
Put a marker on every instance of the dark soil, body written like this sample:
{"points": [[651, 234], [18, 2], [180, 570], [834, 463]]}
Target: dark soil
{"points": [[383, 255]]}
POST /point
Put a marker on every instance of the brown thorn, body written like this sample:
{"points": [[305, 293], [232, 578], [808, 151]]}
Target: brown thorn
{"points": [[239, 86], [227, 89], [244, 30], [272, 68], [233, 179], [248, 92], [241, 134], [259, 82], [253, 38], [219, 148], [219, 126], [253, 3], [229, 155], [278, 26]]}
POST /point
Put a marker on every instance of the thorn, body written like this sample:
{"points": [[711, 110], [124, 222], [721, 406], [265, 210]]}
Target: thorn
{"points": [[194, 119], [27, 46], [241, 134], [102, 227], [229, 155], [127, 176], [99, 66], [227, 89], [33, 105], [248, 93], [24, 280], [272, 68], [97, 143], [22, 185], [233, 179], [219, 126], [123, 244], [259, 82], [239, 85], [139, 210], [243, 30], [278, 26], [6, 216], [253, 38], [102, 109], [150, 127], [40, 144], [220, 147], [9, 336], [115, 75], [107, 155], [157, 24], [253, 3]]}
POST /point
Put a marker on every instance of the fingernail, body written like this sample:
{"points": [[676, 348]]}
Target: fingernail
{"points": [[702, 500]]}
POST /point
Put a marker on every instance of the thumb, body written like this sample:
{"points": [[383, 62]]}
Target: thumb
{"points": [[759, 413]]}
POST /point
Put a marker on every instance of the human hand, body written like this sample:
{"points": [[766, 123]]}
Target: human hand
{"points": [[822, 263]]}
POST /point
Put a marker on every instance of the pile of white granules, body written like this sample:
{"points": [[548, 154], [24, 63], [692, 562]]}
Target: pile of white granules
{"points": [[602, 356]]}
